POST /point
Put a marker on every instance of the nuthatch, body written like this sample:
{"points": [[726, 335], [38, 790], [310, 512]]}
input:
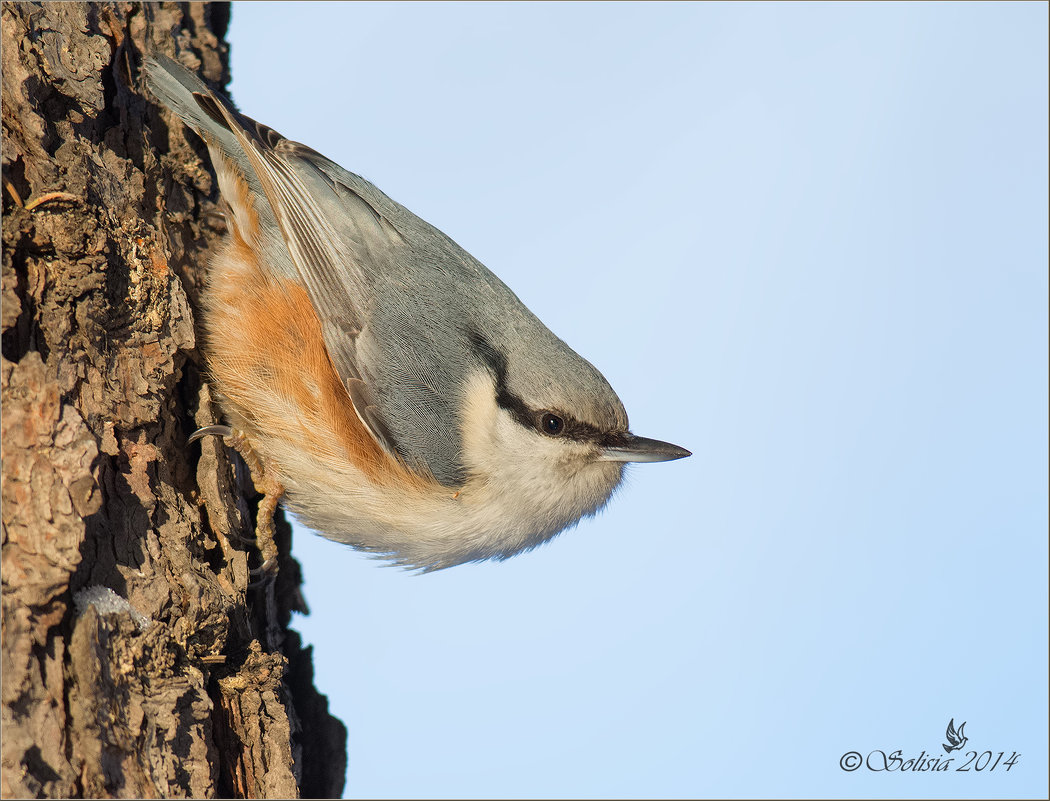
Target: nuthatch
{"points": [[396, 392]]}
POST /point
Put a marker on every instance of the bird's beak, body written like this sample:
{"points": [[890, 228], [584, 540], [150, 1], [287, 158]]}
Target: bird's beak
{"points": [[641, 449]]}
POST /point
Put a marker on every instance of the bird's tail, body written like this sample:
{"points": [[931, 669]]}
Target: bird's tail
{"points": [[234, 144], [192, 101]]}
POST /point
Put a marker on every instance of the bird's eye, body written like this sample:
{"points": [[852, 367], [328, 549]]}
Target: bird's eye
{"points": [[551, 424]]}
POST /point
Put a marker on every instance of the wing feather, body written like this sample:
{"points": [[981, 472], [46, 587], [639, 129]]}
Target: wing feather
{"points": [[325, 259]]}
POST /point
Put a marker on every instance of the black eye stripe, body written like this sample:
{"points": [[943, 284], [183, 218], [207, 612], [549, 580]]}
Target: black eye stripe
{"points": [[571, 428]]}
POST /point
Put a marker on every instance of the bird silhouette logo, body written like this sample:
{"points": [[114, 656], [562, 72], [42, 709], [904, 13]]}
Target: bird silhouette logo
{"points": [[956, 738]]}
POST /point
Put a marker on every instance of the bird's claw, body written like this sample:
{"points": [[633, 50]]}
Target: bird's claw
{"points": [[263, 481], [219, 431]]}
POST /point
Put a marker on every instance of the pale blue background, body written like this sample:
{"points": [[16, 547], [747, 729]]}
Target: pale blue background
{"points": [[808, 242]]}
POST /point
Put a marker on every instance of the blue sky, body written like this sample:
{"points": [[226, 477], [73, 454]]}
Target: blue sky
{"points": [[808, 243]]}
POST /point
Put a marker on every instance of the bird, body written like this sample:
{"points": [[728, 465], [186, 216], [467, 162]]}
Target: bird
{"points": [[383, 385], [956, 739]]}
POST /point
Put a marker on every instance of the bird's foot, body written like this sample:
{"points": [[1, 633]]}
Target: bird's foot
{"points": [[264, 481], [272, 491]]}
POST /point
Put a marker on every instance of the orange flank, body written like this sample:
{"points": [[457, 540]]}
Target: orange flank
{"points": [[268, 358]]}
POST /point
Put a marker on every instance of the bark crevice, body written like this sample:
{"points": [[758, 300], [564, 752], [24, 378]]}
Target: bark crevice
{"points": [[107, 210]]}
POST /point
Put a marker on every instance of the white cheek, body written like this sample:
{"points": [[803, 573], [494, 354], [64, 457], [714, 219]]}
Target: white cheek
{"points": [[496, 447], [540, 482]]}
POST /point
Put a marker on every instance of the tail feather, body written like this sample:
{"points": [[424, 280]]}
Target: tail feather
{"points": [[189, 97], [228, 136]]}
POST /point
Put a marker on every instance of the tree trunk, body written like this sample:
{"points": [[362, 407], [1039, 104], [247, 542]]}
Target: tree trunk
{"points": [[137, 658]]}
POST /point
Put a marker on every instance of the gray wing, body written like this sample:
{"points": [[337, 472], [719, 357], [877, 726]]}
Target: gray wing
{"points": [[381, 280]]}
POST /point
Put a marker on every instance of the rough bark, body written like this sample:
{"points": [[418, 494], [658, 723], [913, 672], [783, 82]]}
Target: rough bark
{"points": [[184, 680]]}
